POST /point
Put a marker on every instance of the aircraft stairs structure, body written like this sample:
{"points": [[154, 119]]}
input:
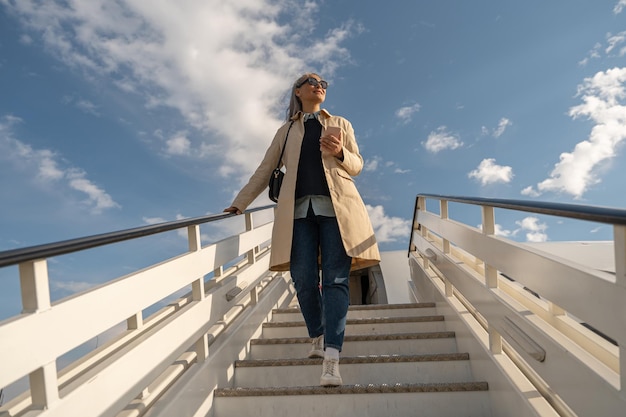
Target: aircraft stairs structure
{"points": [[464, 323]]}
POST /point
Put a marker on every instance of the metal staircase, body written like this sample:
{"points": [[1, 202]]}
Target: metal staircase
{"points": [[397, 359], [489, 327]]}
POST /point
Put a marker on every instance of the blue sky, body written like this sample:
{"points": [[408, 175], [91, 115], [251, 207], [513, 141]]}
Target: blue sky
{"points": [[116, 114]]}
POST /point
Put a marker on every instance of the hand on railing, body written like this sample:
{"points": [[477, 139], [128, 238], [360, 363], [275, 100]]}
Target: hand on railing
{"points": [[232, 209]]}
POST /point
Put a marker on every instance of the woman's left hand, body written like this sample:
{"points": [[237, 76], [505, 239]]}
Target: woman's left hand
{"points": [[331, 145]]}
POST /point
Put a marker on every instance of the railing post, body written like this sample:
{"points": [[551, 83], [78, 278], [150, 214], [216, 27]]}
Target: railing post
{"points": [[443, 208], [444, 214], [619, 241], [35, 289], [489, 228], [194, 238], [448, 287], [135, 322], [195, 245], [34, 286], [44, 385], [495, 341], [254, 295], [619, 247], [250, 226], [197, 290], [555, 309], [218, 272], [421, 206], [202, 348]]}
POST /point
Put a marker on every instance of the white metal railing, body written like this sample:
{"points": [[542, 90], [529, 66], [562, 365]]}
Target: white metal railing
{"points": [[577, 371], [146, 353]]}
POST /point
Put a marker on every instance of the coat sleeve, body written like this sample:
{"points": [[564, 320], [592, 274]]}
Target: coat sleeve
{"points": [[260, 179], [352, 159]]}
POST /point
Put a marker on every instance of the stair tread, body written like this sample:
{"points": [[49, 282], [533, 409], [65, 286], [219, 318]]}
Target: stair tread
{"points": [[354, 389], [371, 320], [355, 360], [367, 307], [358, 338]]}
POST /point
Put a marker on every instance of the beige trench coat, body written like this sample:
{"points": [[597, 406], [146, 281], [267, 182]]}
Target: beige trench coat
{"points": [[354, 222]]}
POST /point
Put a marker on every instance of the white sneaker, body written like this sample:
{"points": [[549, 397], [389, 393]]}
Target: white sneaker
{"points": [[317, 347], [330, 373]]}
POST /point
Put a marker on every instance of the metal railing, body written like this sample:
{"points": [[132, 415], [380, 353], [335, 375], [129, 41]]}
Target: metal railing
{"points": [[200, 293], [597, 214], [532, 306], [48, 250]]}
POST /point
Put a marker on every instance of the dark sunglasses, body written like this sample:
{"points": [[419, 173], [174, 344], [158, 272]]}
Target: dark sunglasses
{"points": [[314, 82]]}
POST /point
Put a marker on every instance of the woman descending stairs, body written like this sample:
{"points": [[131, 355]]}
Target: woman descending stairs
{"points": [[399, 355]]}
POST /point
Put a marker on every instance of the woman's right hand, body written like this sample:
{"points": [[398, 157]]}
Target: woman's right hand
{"points": [[232, 209]]}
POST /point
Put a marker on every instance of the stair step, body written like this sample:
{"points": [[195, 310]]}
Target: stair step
{"points": [[468, 399], [364, 311], [372, 325], [379, 369], [359, 345]]}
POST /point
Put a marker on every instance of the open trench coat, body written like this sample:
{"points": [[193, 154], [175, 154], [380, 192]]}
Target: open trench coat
{"points": [[354, 222]]}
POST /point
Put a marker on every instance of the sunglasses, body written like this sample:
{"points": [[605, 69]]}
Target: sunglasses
{"points": [[314, 82]]}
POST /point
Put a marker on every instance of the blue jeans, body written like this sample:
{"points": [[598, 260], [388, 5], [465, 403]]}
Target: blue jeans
{"points": [[324, 311]]}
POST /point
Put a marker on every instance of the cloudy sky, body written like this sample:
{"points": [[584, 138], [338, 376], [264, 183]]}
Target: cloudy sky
{"points": [[116, 114]]}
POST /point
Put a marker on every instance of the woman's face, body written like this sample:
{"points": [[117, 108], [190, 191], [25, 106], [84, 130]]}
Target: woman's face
{"points": [[312, 94]]}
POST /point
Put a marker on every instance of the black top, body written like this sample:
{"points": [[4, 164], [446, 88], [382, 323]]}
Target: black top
{"points": [[311, 179]]}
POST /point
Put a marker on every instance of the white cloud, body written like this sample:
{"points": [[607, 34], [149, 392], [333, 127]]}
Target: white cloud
{"points": [[83, 105], [71, 286], [48, 169], [530, 191], [215, 62], [578, 170], [488, 172], [441, 139], [619, 6], [178, 145], [47, 166], [388, 229], [371, 164], [97, 198], [615, 41], [535, 231], [499, 230], [594, 53], [87, 107], [153, 220], [502, 125], [615, 48], [405, 114], [219, 230]]}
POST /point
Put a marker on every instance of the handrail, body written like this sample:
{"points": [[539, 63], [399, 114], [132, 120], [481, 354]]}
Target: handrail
{"points": [[574, 211], [31, 253], [531, 303]]}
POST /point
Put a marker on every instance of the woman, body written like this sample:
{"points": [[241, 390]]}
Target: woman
{"points": [[320, 216]]}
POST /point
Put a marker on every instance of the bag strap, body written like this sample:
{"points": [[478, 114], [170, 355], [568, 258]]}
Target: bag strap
{"points": [[284, 144]]}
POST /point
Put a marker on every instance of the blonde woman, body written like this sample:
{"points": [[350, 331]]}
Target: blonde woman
{"points": [[320, 216]]}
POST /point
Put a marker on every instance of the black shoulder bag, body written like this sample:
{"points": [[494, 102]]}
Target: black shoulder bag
{"points": [[276, 179]]}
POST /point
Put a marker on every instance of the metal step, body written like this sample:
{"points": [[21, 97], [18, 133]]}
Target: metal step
{"points": [[379, 369], [369, 325], [399, 356], [467, 399], [359, 345], [364, 311]]}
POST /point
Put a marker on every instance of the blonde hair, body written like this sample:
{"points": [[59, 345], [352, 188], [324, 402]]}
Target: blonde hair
{"points": [[295, 104]]}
